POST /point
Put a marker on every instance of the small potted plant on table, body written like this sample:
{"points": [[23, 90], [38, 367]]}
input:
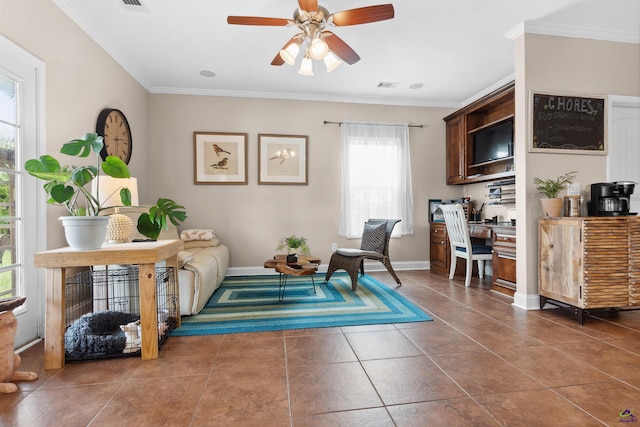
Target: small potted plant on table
{"points": [[295, 245], [552, 204]]}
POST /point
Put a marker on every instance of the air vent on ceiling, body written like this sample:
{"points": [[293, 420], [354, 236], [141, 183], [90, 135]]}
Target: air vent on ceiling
{"points": [[387, 84], [134, 5]]}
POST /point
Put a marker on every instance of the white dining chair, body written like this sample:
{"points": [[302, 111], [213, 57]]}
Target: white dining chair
{"points": [[461, 246]]}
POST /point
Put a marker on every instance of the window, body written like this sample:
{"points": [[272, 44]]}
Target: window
{"points": [[376, 176], [22, 219]]}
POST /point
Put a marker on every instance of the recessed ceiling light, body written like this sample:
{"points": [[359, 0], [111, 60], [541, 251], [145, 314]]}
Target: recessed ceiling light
{"points": [[207, 73], [416, 86]]}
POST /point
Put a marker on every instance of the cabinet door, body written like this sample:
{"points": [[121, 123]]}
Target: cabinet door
{"points": [[439, 248], [560, 270], [456, 150], [504, 261]]}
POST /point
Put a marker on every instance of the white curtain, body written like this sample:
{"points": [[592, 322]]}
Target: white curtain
{"points": [[376, 176]]}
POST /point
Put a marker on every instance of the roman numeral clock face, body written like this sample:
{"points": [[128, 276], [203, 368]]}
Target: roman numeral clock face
{"points": [[113, 127]]}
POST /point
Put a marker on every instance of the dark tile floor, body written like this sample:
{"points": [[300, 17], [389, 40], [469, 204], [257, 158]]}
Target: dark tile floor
{"points": [[480, 362]]}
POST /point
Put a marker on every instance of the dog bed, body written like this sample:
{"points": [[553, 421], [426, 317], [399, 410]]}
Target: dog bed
{"points": [[96, 335]]}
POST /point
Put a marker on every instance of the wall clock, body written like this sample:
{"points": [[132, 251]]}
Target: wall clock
{"points": [[113, 126]]}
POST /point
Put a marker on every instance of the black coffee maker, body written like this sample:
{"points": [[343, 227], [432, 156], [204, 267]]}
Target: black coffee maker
{"points": [[610, 198]]}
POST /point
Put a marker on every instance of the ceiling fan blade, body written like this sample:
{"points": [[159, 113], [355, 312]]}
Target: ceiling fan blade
{"points": [[363, 15], [340, 48], [257, 20], [308, 5]]}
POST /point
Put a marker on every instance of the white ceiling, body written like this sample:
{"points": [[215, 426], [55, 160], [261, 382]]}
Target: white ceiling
{"points": [[456, 49]]}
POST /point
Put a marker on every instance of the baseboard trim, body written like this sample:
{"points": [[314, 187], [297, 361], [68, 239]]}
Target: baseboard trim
{"points": [[526, 302], [368, 266]]}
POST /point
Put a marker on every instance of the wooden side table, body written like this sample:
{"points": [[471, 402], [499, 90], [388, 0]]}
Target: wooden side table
{"points": [[143, 254], [307, 265]]}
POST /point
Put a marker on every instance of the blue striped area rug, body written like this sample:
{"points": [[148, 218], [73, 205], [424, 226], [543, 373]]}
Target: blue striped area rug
{"points": [[250, 304]]}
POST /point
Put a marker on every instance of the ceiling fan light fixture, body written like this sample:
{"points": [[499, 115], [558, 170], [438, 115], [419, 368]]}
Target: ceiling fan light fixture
{"points": [[331, 62], [290, 53], [318, 49], [306, 68]]}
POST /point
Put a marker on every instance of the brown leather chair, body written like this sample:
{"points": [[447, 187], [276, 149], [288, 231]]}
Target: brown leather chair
{"points": [[375, 245]]}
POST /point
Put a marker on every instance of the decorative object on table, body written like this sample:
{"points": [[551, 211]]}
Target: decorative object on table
{"points": [[113, 127], [295, 245], [461, 247], [374, 245], [249, 304], [120, 227], [282, 159], [9, 359], [568, 124], [220, 158], [66, 186], [321, 44], [552, 204]]}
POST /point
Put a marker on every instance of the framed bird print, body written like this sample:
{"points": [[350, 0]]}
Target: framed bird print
{"points": [[220, 158], [282, 159]]}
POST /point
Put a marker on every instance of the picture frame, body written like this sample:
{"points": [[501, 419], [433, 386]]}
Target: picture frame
{"points": [[283, 159], [220, 158], [567, 123]]}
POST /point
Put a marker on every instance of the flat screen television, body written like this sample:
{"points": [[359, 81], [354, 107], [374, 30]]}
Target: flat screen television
{"points": [[493, 143]]}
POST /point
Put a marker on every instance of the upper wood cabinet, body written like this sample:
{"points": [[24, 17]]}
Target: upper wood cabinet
{"points": [[462, 125]]}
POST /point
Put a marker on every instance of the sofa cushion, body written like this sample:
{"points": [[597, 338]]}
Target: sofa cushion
{"points": [[201, 243], [184, 257], [197, 234]]}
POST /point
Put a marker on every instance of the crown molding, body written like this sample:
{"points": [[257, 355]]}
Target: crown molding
{"points": [[573, 32]]}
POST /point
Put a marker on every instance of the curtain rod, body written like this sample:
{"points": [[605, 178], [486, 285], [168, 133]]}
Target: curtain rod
{"points": [[380, 124]]}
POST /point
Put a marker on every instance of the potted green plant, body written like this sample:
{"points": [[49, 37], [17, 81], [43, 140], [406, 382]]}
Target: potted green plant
{"points": [[294, 245], [68, 186], [552, 204]]}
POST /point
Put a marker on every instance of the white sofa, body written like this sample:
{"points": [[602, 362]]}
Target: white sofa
{"points": [[202, 264]]}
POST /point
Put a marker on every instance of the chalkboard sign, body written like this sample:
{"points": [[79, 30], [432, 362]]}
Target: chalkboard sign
{"points": [[568, 124]]}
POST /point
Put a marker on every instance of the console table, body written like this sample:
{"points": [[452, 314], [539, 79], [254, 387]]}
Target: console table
{"points": [[143, 254]]}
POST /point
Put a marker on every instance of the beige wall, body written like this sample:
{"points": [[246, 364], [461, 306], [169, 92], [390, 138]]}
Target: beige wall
{"points": [[545, 63], [81, 80], [252, 218]]}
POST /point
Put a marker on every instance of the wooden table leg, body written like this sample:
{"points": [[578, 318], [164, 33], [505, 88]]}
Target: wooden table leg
{"points": [[55, 294], [148, 311]]}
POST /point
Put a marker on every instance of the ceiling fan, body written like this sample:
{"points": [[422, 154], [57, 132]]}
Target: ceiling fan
{"points": [[312, 20]]}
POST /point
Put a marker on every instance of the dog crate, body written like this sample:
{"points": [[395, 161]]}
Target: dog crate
{"points": [[103, 311]]}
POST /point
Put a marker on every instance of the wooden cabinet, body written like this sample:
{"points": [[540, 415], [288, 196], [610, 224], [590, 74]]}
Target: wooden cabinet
{"points": [[456, 151], [504, 260], [439, 248], [461, 126], [589, 263]]}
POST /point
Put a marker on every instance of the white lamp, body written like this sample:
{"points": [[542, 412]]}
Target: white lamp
{"points": [[107, 191], [290, 53], [331, 61], [318, 49], [306, 68]]}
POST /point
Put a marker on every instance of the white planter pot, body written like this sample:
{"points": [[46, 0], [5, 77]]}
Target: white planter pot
{"points": [[85, 232]]}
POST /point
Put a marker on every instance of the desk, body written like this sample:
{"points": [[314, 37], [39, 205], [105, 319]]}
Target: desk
{"points": [[501, 236], [143, 254]]}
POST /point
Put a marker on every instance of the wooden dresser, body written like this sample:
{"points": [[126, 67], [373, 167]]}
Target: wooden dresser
{"points": [[590, 262]]}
